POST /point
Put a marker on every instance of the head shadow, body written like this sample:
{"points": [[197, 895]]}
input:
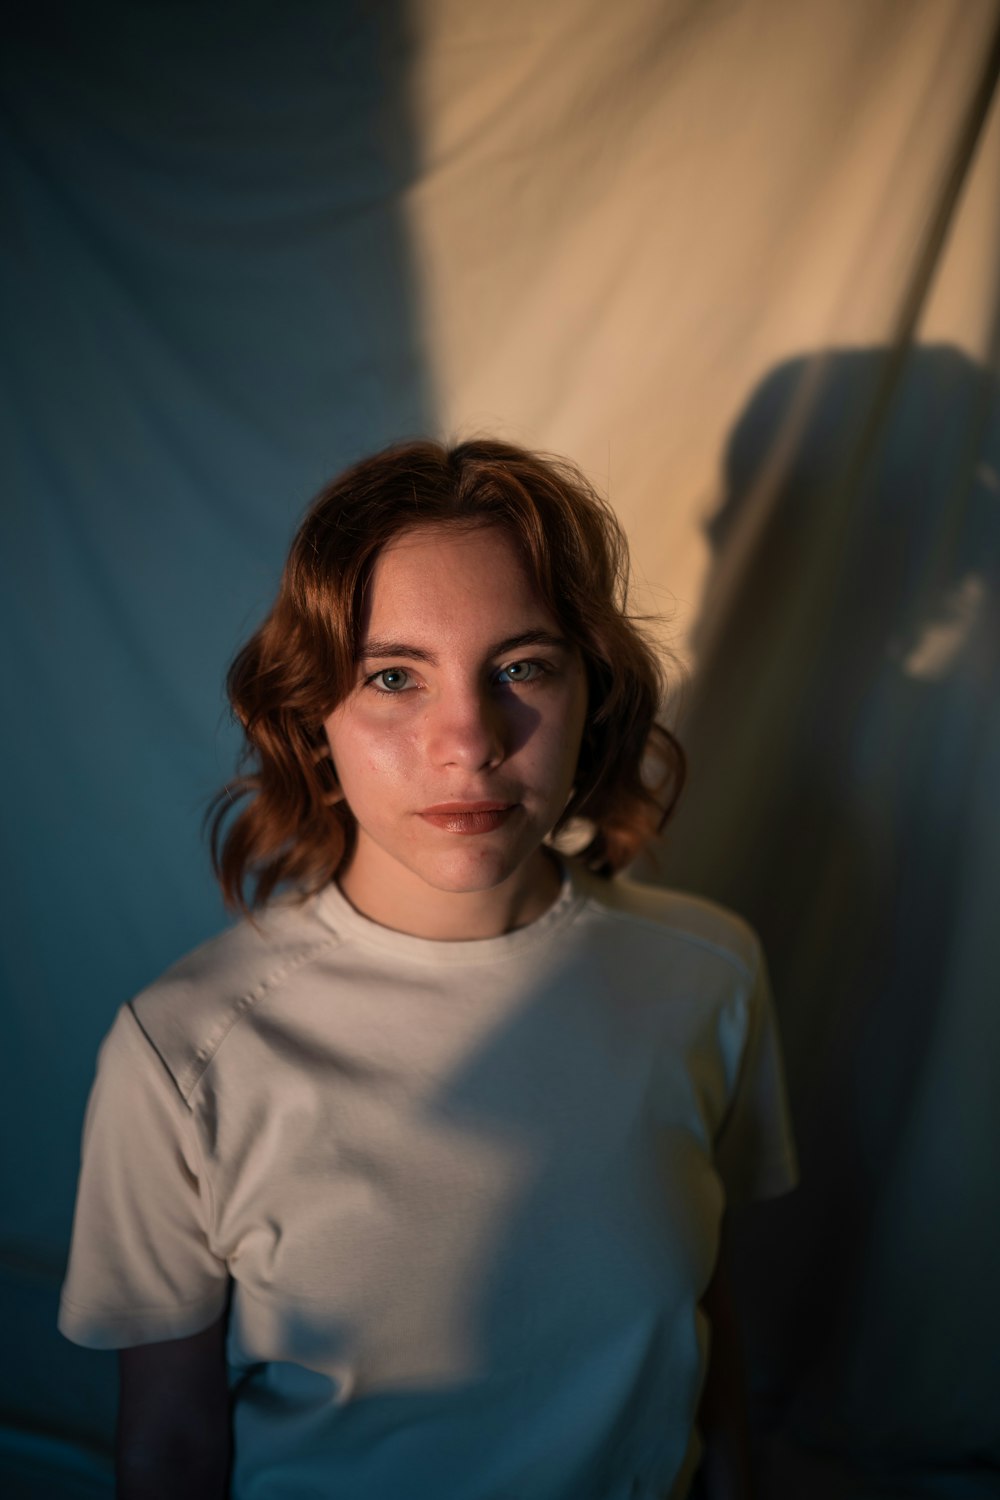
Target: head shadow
{"points": [[842, 734]]}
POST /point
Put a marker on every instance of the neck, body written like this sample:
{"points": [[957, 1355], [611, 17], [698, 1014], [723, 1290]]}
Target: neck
{"points": [[408, 904]]}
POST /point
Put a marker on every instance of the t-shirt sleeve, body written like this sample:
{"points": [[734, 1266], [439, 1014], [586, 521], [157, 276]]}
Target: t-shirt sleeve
{"points": [[755, 1148], [141, 1267]]}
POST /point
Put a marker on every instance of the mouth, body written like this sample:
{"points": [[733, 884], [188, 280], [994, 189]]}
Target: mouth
{"points": [[469, 817]]}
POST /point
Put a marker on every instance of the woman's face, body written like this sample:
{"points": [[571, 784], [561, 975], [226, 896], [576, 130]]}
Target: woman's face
{"points": [[457, 749]]}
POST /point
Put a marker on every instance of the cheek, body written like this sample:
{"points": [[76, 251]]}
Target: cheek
{"points": [[571, 730], [555, 747], [365, 751]]}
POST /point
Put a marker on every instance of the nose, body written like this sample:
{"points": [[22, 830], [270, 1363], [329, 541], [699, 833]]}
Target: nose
{"points": [[468, 730]]}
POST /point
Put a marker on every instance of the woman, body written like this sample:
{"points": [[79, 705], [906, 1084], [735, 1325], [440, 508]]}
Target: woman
{"points": [[411, 1184]]}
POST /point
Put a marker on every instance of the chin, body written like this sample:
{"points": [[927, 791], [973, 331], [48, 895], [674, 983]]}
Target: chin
{"points": [[467, 872]]}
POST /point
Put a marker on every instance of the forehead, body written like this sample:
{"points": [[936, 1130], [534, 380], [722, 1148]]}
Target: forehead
{"points": [[450, 573]]}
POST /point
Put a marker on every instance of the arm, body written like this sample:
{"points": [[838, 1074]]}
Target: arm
{"points": [[173, 1419], [722, 1413]]}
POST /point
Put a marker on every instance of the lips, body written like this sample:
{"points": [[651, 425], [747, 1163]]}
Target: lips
{"points": [[469, 817]]}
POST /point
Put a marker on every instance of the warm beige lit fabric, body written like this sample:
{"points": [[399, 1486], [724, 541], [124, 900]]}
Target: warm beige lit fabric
{"points": [[627, 216], [468, 1193]]}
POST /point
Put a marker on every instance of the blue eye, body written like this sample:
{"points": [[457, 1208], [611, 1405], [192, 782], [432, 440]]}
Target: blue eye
{"points": [[519, 671], [390, 680]]}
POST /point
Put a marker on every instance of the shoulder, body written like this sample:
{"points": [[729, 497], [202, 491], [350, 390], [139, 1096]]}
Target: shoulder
{"points": [[675, 918], [186, 1014]]}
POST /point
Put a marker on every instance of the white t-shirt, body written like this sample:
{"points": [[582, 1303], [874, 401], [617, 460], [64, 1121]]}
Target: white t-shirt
{"points": [[466, 1194]]}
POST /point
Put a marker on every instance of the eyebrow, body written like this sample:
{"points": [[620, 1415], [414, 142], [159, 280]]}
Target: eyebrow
{"points": [[383, 650]]}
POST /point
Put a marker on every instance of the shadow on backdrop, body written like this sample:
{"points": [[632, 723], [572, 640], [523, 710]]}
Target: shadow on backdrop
{"points": [[209, 308], [844, 738]]}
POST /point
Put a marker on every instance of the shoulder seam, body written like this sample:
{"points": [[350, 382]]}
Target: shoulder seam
{"points": [[680, 934], [190, 1076]]}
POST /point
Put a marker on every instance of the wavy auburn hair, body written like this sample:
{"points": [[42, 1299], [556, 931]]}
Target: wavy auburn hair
{"points": [[293, 827]]}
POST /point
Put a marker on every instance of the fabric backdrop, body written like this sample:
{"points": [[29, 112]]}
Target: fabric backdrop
{"points": [[740, 259]]}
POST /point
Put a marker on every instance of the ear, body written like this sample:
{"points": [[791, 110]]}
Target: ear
{"points": [[326, 771]]}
